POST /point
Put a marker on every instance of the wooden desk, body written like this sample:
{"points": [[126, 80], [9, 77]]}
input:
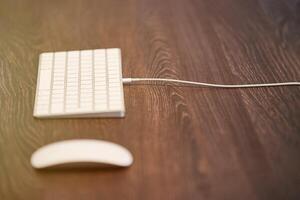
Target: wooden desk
{"points": [[188, 143]]}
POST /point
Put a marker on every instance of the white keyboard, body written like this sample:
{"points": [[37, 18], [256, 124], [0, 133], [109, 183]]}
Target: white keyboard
{"points": [[84, 83]]}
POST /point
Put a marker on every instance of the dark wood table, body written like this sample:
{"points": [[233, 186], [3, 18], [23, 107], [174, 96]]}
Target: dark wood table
{"points": [[188, 142]]}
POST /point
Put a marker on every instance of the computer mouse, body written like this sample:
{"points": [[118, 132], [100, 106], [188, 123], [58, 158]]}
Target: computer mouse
{"points": [[81, 153]]}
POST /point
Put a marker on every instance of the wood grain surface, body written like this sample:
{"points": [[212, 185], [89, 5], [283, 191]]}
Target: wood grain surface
{"points": [[188, 143]]}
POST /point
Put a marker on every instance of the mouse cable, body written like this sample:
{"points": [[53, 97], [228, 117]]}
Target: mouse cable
{"points": [[176, 81]]}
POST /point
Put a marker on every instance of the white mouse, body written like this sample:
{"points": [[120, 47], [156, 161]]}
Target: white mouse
{"points": [[81, 153]]}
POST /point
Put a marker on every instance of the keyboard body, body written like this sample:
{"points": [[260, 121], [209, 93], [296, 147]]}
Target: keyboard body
{"points": [[86, 83]]}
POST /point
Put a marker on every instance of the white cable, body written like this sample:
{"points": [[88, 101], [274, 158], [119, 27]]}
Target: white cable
{"points": [[130, 80]]}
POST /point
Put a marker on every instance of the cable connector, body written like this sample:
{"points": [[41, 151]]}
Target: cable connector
{"points": [[126, 80]]}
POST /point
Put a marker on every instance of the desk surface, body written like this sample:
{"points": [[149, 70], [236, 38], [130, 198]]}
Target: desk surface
{"points": [[188, 143]]}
